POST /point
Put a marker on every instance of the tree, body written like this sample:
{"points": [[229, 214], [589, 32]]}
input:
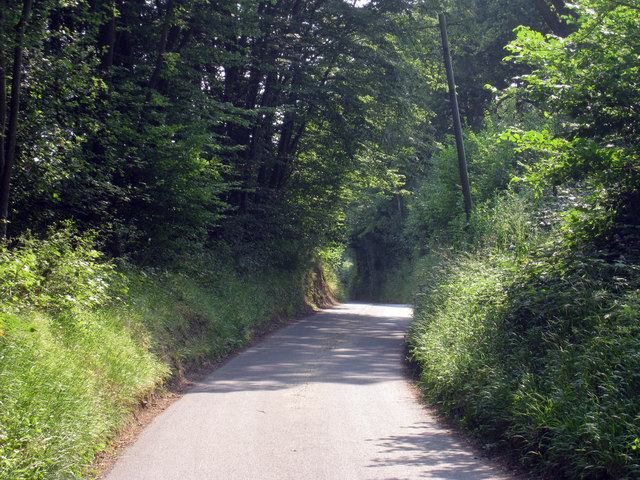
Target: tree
{"points": [[173, 124], [478, 33], [9, 113], [590, 78], [556, 16]]}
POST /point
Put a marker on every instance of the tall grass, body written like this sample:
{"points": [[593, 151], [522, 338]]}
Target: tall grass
{"points": [[532, 342], [83, 342]]}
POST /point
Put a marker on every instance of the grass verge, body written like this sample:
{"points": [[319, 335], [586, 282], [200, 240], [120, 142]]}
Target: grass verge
{"points": [[535, 349], [83, 343]]}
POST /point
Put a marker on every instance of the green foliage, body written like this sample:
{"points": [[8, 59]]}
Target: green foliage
{"points": [[199, 316], [65, 391], [589, 78], [526, 322], [69, 369], [60, 102], [175, 128], [398, 283], [83, 343], [436, 204], [63, 274], [531, 343], [377, 244], [478, 32], [506, 223], [167, 127]]}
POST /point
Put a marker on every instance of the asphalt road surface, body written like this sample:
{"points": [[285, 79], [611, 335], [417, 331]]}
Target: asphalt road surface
{"points": [[324, 398]]}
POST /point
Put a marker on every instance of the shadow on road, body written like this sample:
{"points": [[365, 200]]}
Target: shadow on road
{"points": [[341, 345], [426, 446]]}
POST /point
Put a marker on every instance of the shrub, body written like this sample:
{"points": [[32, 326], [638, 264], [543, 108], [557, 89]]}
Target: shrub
{"points": [[62, 273], [535, 349]]}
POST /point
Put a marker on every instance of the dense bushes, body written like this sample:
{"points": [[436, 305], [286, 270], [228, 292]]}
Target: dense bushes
{"points": [[536, 353], [526, 331], [71, 365]]}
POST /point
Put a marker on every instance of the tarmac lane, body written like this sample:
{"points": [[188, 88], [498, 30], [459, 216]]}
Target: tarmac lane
{"points": [[324, 398]]}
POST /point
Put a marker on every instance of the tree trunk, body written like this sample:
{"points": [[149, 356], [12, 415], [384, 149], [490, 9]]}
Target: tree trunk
{"points": [[162, 48], [3, 86], [12, 128], [106, 37]]}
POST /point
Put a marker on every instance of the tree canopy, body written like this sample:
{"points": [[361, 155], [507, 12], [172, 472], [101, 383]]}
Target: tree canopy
{"points": [[177, 124]]}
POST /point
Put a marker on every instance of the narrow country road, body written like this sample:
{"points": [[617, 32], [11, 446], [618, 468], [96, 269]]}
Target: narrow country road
{"points": [[325, 398]]}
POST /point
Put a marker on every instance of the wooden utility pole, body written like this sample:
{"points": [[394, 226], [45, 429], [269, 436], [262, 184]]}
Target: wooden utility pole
{"points": [[457, 125]]}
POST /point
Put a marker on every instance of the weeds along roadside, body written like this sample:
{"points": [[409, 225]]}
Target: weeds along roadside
{"points": [[83, 342], [531, 342]]}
